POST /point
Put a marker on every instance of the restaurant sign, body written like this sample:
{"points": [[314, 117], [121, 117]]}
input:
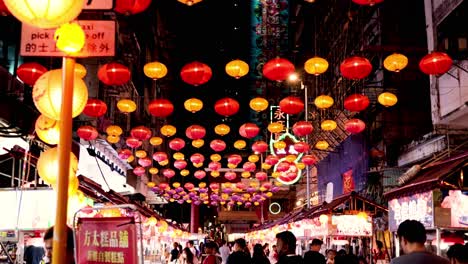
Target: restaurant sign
{"points": [[418, 207], [351, 225], [106, 240]]}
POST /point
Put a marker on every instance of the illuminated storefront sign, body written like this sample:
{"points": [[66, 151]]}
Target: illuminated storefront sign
{"points": [[457, 202], [416, 207], [351, 225], [310, 228]]}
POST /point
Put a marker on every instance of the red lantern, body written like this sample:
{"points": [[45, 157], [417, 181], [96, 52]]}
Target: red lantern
{"points": [[302, 128], [226, 106], [259, 146], [291, 105], [139, 171], [95, 108], [87, 133], [196, 73], [124, 154], [309, 160], [131, 7], [356, 68], [3, 9], [197, 158], [214, 166], [160, 156], [114, 73], [355, 126], [199, 174], [249, 166], [261, 176], [230, 175], [278, 69], [435, 63], [168, 173], [29, 72], [367, 2], [145, 162], [356, 102], [141, 133], [249, 130], [271, 160], [283, 166], [235, 159], [218, 145], [177, 144], [160, 107], [301, 147], [133, 142], [195, 132], [180, 164]]}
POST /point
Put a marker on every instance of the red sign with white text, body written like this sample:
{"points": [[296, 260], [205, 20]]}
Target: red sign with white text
{"points": [[106, 240]]}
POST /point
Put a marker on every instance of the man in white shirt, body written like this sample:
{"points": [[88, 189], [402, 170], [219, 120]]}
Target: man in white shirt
{"points": [[224, 251]]}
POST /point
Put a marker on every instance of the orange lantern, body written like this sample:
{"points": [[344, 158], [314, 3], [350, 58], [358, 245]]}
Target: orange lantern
{"points": [[47, 94], [240, 144], [150, 184], [395, 62], [178, 156], [47, 165], [156, 141], [153, 171], [323, 101], [328, 125], [114, 130], [193, 105], [126, 106], [155, 70], [316, 66], [168, 130], [258, 104], [48, 130], [215, 157], [189, 2], [113, 139], [237, 68], [275, 127], [387, 99], [184, 172], [222, 129], [198, 143], [140, 153], [80, 70], [322, 145]]}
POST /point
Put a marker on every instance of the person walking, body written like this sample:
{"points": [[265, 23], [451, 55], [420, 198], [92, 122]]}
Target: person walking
{"points": [[314, 255], [259, 256], [224, 251], [210, 249], [239, 256], [412, 236], [286, 246]]}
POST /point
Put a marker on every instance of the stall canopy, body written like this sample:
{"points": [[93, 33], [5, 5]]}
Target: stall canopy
{"points": [[445, 173]]}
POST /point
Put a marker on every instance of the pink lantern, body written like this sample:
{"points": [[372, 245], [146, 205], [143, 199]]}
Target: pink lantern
{"points": [[124, 154], [163, 186], [214, 166], [145, 162], [177, 144], [168, 173], [302, 128], [133, 142], [240, 185], [218, 145], [141, 133], [195, 132], [283, 166], [271, 160], [260, 146], [309, 160], [189, 186], [249, 130], [261, 176], [301, 147], [214, 186], [200, 174], [355, 126], [197, 158], [160, 156], [230, 175], [249, 166], [267, 185], [180, 164], [235, 159], [139, 171]]}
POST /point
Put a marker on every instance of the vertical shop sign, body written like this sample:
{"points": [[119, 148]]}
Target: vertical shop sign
{"points": [[348, 181], [106, 240]]}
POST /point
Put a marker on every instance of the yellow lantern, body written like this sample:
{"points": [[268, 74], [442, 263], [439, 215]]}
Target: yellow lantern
{"points": [[323, 219], [80, 70], [69, 38], [215, 157], [222, 129], [176, 185], [253, 184], [178, 156], [140, 153], [253, 158], [47, 165], [215, 174], [73, 184], [114, 130], [48, 130], [395, 62], [198, 143], [328, 125], [184, 172], [155, 70], [151, 221], [193, 105], [323, 101], [275, 127], [316, 65], [202, 184], [256, 203], [126, 106], [45, 14], [163, 162], [150, 184], [198, 165], [291, 158], [362, 215], [269, 194], [322, 145], [258, 104], [300, 165], [279, 144], [130, 159], [278, 184], [232, 166], [47, 94], [168, 130], [266, 166], [153, 170], [275, 174], [245, 174], [189, 2], [237, 68], [240, 144], [113, 139], [387, 99], [156, 141]]}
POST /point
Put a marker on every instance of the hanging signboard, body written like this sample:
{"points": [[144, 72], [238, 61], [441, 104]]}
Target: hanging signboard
{"points": [[106, 240], [100, 40], [98, 4], [418, 207], [351, 225]]}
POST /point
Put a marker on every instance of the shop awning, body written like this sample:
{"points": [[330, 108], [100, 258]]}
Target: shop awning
{"points": [[430, 177]]}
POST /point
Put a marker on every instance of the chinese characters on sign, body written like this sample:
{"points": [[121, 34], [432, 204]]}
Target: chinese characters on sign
{"points": [[100, 40], [458, 204], [106, 240], [351, 225], [416, 207], [279, 117]]}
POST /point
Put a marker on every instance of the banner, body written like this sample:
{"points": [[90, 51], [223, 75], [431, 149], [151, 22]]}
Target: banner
{"points": [[348, 181], [106, 240], [415, 207]]}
